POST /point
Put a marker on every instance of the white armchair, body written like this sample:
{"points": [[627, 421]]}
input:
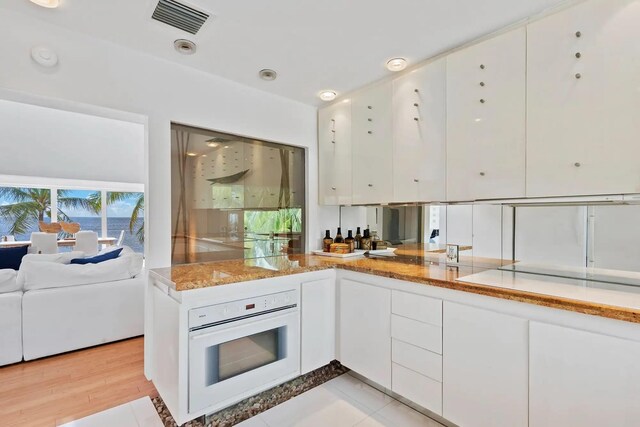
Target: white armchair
{"points": [[44, 243], [87, 242]]}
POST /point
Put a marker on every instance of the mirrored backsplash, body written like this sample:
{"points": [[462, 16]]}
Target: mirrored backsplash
{"points": [[590, 242]]}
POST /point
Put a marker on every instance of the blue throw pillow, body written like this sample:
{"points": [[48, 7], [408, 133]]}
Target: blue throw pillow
{"points": [[98, 258], [12, 257]]}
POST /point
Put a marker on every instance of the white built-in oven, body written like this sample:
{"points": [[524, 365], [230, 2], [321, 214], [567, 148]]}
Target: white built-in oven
{"points": [[242, 346]]}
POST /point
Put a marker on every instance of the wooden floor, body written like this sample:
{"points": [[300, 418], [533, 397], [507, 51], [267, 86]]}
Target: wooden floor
{"points": [[59, 389]]}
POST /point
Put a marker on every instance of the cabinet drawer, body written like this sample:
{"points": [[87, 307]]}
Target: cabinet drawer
{"points": [[417, 333], [417, 307], [417, 359], [417, 388]]}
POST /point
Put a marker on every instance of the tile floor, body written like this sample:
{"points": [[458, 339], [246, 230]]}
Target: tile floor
{"points": [[137, 413], [342, 402]]}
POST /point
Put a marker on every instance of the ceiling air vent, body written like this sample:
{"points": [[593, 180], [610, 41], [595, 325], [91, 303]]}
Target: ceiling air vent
{"points": [[179, 16]]}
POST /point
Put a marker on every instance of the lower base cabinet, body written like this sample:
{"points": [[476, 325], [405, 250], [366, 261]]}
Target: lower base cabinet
{"points": [[318, 324], [485, 367], [583, 379], [365, 330]]}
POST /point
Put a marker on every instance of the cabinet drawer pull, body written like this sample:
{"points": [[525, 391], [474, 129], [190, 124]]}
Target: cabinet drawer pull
{"points": [[369, 107], [578, 75], [370, 185], [416, 119], [482, 67], [369, 120], [333, 141], [416, 105], [578, 55], [482, 101], [416, 180], [482, 174], [577, 164], [482, 84], [578, 34], [369, 132], [333, 188], [416, 91]]}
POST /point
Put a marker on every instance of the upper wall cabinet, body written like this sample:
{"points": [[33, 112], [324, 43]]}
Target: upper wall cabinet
{"points": [[486, 119], [419, 132], [371, 134], [583, 100], [334, 146]]}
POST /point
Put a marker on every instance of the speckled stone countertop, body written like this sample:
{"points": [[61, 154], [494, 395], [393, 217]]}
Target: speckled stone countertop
{"points": [[417, 269]]}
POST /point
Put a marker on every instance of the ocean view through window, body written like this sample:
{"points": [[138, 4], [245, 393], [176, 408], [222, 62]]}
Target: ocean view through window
{"points": [[22, 208]]}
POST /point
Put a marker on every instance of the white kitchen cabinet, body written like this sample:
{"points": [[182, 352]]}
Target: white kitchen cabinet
{"points": [[582, 101], [485, 367], [334, 151], [371, 136], [317, 324], [419, 134], [486, 119], [582, 379], [365, 330]]}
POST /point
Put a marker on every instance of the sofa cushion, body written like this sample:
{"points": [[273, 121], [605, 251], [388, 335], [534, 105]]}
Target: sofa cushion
{"points": [[98, 258], [42, 275], [60, 258], [12, 257], [8, 282]]}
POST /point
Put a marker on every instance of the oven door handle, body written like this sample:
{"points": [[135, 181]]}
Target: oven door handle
{"points": [[207, 333]]}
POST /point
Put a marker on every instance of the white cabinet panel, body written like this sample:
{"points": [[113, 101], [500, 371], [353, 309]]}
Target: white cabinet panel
{"points": [[317, 324], [485, 367], [371, 135], [417, 307], [582, 379], [334, 151], [486, 119], [583, 100], [417, 333], [417, 388], [365, 330], [419, 134], [417, 359]]}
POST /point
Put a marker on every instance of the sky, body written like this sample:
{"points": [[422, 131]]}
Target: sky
{"points": [[118, 209]]}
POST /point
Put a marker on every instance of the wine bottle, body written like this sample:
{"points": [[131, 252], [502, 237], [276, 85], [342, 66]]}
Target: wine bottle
{"points": [[366, 240], [350, 241], [327, 241], [358, 238]]}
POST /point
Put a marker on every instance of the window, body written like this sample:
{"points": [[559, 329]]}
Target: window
{"points": [[234, 197], [21, 209]]}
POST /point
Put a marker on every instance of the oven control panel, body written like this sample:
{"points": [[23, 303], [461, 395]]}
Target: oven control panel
{"points": [[220, 313]]}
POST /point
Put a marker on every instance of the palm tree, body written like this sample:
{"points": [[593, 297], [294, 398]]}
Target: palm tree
{"points": [[136, 213], [27, 206]]}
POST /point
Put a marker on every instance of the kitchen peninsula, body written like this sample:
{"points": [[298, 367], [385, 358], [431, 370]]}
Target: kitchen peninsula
{"points": [[430, 333]]}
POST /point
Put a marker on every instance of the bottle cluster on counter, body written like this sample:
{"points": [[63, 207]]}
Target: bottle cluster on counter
{"points": [[366, 241]]}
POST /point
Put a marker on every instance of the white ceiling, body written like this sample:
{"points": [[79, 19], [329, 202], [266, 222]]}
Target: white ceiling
{"points": [[312, 44]]}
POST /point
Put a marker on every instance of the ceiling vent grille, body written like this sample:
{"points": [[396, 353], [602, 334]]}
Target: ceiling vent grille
{"points": [[179, 16]]}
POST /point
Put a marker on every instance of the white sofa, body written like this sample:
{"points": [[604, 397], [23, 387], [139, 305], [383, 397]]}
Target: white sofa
{"points": [[10, 318], [59, 307]]}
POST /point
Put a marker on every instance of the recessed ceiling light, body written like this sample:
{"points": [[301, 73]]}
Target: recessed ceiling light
{"points": [[212, 144], [327, 95], [51, 4], [396, 64], [184, 46], [267, 74], [226, 146], [191, 154]]}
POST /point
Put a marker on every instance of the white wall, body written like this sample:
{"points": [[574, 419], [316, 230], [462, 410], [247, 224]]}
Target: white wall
{"points": [[95, 72], [51, 143]]}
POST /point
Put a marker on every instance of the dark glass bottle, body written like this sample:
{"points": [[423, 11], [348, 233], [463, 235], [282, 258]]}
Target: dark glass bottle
{"points": [[365, 242], [327, 241], [350, 241], [358, 238], [338, 238]]}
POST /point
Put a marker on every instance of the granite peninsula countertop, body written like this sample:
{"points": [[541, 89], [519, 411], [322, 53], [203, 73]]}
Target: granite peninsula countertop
{"points": [[418, 269]]}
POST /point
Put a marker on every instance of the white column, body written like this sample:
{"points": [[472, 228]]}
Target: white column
{"points": [[54, 204], [103, 213]]}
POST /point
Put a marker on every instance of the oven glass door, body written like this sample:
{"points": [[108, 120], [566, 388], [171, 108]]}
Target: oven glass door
{"points": [[228, 361]]}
